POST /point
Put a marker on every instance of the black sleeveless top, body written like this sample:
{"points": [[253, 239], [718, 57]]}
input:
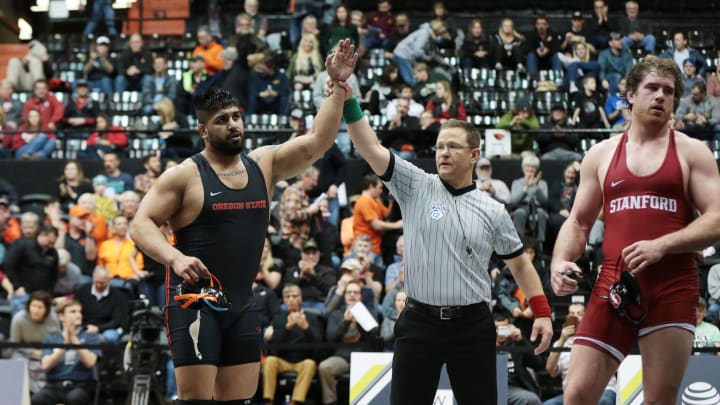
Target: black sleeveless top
{"points": [[228, 235]]}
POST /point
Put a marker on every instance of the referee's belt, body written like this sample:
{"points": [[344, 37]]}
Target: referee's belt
{"points": [[448, 313]]}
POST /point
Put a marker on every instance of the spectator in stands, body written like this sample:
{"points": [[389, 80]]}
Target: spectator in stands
{"points": [[134, 64], [706, 334], [104, 204], [303, 20], [713, 83], [577, 33], [588, 108], [191, 78], [69, 371], [616, 107], [580, 66], [615, 62], [69, 275], [120, 256], [445, 105], [496, 188], [22, 73], [509, 46], [9, 226], [560, 144], [305, 63], [80, 111], [29, 224], [291, 326], [379, 25], [404, 91], [601, 26], [325, 232], [340, 28], [35, 141], [250, 47], [542, 47], [106, 139], [269, 89], [416, 46], [713, 286], [698, 112], [88, 202], [259, 24], [355, 270], [690, 76], [11, 108], [562, 195], [296, 212], [105, 308], [681, 51], [402, 30], [208, 49], [51, 110], [173, 130], [267, 304], [558, 362], [440, 13], [232, 77], [32, 325], [395, 272], [401, 130], [31, 264], [153, 169], [78, 240], [476, 48], [157, 86], [116, 178], [520, 118], [101, 9], [529, 195], [128, 203], [369, 214], [387, 329], [99, 70], [425, 80], [522, 388], [636, 32], [342, 327], [381, 90]]}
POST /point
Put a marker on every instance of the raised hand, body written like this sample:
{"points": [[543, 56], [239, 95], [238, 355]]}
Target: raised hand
{"points": [[341, 63]]}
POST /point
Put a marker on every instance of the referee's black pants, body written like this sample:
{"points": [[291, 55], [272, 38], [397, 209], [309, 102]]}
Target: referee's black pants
{"points": [[423, 343]]}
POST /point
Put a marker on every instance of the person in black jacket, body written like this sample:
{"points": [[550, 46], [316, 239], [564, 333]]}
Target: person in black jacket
{"points": [[134, 64], [542, 46], [105, 308], [559, 144], [476, 48], [522, 388], [290, 327], [314, 279]]}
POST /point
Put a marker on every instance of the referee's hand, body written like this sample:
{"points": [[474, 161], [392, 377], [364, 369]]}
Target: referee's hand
{"points": [[542, 327]]}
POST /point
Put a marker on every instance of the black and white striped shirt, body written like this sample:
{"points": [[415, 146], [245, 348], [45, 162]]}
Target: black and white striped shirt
{"points": [[449, 236]]}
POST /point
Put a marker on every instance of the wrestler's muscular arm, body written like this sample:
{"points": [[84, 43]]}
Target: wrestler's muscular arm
{"points": [[703, 189], [163, 202], [292, 157], [570, 242]]}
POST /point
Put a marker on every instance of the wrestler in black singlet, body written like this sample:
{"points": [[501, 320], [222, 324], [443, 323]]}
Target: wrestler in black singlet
{"points": [[228, 237]]}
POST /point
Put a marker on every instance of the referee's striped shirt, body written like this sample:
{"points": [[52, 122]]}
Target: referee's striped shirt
{"points": [[449, 236]]}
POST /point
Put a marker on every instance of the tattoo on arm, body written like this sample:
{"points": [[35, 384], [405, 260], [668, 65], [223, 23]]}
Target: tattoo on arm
{"points": [[306, 153]]}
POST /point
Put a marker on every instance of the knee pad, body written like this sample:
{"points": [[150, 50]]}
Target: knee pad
{"points": [[194, 402], [235, 402]]}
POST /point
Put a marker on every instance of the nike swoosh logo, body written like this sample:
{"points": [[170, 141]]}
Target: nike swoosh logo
{"points": [[615, 183], [214, 194]]}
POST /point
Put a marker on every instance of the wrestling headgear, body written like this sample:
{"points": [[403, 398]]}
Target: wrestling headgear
{"points": [[192, 295]]}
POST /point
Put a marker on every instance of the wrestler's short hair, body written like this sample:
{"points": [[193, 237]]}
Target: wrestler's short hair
{"points": [[471, 132], [212, 100], [663, 67]]}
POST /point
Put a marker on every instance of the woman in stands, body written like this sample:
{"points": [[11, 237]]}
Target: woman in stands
{"points": [[32, 325], [35, 141], [445, 105], [106, 138], [178, 142], [72, 184], [341, 27], [476, 48], [382, 89], [580, 65], [305, 63], [508, 46]]}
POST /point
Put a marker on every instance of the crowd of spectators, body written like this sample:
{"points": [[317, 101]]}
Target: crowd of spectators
{"points": [[328, 256]]}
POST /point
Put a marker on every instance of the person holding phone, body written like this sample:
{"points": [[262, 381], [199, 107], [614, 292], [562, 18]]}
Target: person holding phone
{"points": [[522, 388]]}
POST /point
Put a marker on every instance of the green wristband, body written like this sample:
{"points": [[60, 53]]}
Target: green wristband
{"points": [[352, 111]]}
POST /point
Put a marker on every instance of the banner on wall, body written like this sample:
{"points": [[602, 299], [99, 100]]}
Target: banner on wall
{"points": [[371, 373], [700, 386]]}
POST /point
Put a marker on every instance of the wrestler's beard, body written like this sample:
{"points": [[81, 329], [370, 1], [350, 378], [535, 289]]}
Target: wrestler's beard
{"points": [[226, 146]]}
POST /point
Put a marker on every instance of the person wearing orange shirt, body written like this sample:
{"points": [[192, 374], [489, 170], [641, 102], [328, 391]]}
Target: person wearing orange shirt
{"points": [[370, 212], [100, 228], [120, 256], [9, 226], [209, 50]]}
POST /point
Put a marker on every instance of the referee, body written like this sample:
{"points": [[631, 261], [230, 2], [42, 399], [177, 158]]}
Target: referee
{"points": [[451, 228]]}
